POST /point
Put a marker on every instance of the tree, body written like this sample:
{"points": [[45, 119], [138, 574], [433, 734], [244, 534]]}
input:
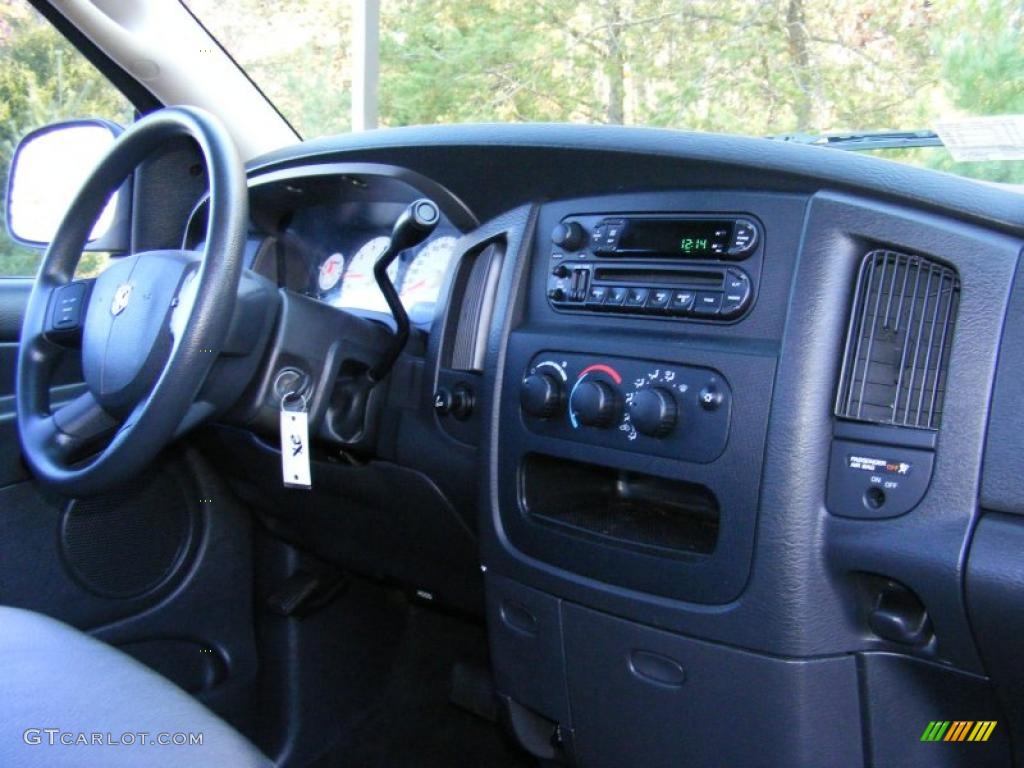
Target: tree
{"points": [[43, 78], [735, 66], [983, 74]]}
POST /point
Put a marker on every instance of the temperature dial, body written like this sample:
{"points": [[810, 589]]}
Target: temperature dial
{"points": [[541, 395], [595, 404], [654, 412]]}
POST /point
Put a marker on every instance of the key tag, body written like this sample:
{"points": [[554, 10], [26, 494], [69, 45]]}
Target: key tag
{"points": [[295, 442]]}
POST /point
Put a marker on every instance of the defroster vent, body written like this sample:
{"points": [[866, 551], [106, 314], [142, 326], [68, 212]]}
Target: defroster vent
{"points": [[897, 348]]}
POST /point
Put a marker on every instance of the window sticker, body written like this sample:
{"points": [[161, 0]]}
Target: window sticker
{"points": [[977, 139]]}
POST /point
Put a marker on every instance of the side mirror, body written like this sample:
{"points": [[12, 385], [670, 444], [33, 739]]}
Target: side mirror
{"points": [[47, 170]]}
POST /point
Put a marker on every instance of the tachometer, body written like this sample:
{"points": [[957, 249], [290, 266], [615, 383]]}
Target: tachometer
{"points": [[423, 277], [331, 271], [359, 290]]}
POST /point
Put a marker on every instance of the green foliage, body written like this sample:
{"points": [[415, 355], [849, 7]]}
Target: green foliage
{"points": [[983, 69], [734, 66], [43, 78], [465, 61], [712, 65], [983, 64], [296, 51]]}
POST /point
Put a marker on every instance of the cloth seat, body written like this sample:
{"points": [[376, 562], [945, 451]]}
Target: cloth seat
{"points": [[59, 685]]}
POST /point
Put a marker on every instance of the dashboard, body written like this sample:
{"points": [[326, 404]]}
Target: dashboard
{"points": [[678, 408]]}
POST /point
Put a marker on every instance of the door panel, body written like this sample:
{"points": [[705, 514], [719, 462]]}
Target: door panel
{"points": [[67, 379], [161, 568]]}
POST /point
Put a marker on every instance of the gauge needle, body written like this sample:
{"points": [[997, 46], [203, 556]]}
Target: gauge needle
{"points": [[416, 286]]}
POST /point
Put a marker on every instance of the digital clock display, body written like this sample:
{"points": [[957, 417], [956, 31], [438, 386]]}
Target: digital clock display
{"points": [[686, 238], [694, 245]]}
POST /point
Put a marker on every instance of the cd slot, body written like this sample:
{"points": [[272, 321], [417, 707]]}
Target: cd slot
{"points": [[688, 277]]}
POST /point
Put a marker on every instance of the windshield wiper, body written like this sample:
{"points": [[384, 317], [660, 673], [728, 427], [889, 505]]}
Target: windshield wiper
{"points": [[861, 140]]}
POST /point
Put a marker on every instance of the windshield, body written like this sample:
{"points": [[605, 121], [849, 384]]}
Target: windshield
{"points": [[781, 67]]}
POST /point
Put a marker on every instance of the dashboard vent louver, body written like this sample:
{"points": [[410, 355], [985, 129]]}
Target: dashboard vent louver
{"points": [[474, 291], [897, 348]]}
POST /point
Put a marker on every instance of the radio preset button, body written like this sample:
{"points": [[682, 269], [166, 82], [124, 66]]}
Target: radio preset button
{"points": [[681, 301], [636, 297], [616, 296], [596, 295], [707, 303], [658, 299]]}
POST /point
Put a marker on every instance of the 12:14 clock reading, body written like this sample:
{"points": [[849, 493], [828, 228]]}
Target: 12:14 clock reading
{"points": [[675, 237], [694, 245]]}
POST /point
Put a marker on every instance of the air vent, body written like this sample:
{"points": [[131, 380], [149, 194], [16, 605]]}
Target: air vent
{"points": [[474, 292], [897, 348]]}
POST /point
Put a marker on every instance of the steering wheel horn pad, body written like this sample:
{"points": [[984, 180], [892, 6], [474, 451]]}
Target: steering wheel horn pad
{"points": [[125, 344]]}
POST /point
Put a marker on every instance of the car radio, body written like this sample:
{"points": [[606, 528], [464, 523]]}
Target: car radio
{"points": [[653, 265]]}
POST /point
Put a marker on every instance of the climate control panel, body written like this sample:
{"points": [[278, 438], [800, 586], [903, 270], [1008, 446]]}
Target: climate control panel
{"points": [[660, 408]]}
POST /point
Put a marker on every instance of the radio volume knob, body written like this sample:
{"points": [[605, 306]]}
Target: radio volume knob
{"points": [[568, 235], [541, 395], [595, 404], [654, 412]]}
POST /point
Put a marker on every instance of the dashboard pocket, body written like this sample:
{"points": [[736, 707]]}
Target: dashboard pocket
{"points": [[629, 509]]}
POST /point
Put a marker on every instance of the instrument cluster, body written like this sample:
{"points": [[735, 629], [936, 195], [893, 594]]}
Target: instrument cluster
{"points": [[347, 281], [328, 254]]}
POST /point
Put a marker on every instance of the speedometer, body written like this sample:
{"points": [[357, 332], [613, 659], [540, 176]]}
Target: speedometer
{"points": [[424, 276], [359, 289]]}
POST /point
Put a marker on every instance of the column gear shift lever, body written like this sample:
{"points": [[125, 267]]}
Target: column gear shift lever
{"points": [[412, 227]]}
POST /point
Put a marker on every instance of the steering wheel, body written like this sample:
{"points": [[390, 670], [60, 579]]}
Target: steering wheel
{"points": [[153, 325]]}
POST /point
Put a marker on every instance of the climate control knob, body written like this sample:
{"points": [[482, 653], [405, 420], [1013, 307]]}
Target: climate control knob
{"points": [[595, 404], [541, 395], [653, 412]]}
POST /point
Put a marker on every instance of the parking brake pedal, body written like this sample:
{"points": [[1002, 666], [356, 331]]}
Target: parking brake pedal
{"points": [[472, 690], [307, 591]]}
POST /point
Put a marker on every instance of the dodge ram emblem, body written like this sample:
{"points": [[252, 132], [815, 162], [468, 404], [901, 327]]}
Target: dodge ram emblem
{"points": [[121, 296]]}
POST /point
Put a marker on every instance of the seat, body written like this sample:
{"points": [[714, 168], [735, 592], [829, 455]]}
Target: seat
{"points": [[58, 685]]}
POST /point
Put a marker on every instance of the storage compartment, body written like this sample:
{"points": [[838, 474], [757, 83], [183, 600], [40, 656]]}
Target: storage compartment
{"points": [[644, 697], [667, 517], [909, 703], [995, 602], [525, 632]]}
